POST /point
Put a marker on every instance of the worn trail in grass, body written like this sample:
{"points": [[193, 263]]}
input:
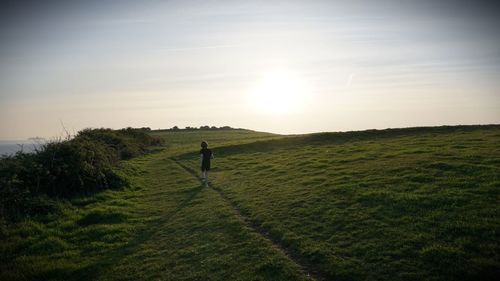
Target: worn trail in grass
{"points": [[193, 234], [306, 268]]}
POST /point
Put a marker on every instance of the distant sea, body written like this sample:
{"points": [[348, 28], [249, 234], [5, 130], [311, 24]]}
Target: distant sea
{"points": [[9, 147]]}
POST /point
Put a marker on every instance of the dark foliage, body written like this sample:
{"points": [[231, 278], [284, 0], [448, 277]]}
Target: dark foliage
{"points": [[80, 165]]}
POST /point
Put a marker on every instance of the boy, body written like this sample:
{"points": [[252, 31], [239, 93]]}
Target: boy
{"points": [[205, 156]]}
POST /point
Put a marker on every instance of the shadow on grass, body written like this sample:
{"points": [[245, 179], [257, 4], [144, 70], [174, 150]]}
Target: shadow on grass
{"points": [[94, 271]]}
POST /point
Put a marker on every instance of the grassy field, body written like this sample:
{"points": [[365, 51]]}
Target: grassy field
{"points": [[409, 204]]}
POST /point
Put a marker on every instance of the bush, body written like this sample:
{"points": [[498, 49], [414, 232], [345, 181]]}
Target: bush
{"points": [[76, 166], [18, 179], [127, 143], [81, 165]]}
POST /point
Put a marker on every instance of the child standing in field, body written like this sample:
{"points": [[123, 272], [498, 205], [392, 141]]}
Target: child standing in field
{"points": [[205, 157]]}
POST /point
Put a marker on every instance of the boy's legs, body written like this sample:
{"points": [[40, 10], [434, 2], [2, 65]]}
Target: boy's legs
{"points": [[204, 177]]}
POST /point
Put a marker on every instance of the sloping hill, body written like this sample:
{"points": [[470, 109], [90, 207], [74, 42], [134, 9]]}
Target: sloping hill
{"points": [[417, 203], [406, 204]]}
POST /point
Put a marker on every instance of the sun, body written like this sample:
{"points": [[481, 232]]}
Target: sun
{"points": [[278, 92]]}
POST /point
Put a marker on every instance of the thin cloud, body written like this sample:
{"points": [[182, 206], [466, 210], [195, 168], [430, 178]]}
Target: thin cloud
{"points": [[349, 80], [200, 48], [119, 22]]}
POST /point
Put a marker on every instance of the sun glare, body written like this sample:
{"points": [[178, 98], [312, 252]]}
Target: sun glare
{"points": [[278, 92]]}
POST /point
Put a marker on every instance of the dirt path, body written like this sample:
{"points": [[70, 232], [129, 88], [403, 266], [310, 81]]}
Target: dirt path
{"points": [[307, 268]]}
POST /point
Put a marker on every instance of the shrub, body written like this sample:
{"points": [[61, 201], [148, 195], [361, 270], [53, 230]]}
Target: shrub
{"points": [[127, 143], [18, 179], [76, 166], [81, 165]]}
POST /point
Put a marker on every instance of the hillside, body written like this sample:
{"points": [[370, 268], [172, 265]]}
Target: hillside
{"points": [[418, 203], [404, 204]]}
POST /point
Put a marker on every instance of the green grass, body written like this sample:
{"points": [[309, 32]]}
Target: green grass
{"points": [[189, 141], [409, 204], [392, 205]]}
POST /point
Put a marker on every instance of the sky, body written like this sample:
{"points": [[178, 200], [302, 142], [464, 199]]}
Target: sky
{"points": [[275, 66]]}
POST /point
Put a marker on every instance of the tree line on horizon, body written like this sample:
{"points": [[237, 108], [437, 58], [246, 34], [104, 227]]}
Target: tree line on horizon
{"points": [[206, 127]]}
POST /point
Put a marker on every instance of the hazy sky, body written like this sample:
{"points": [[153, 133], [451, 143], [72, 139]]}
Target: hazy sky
{"points": [[279, 66]]}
